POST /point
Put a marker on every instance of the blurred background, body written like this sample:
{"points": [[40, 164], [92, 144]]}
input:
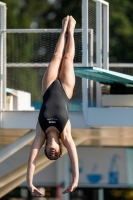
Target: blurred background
{"points": [[49, 14], [105, 160]]}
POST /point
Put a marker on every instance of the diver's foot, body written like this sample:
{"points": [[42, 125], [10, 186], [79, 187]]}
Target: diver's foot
{"points": [[71, 24], [65, 24]]}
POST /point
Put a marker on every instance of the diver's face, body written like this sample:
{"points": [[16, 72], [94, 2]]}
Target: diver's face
{"points": [[53, 151]]}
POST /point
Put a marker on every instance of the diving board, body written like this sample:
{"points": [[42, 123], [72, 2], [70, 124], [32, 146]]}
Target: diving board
{"points": [[103, 76]]}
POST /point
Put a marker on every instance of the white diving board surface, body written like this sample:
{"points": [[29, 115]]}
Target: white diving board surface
{"points": [[103, 76]]}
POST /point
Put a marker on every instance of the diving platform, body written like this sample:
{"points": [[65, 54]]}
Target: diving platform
{"points": [[104, 76]]}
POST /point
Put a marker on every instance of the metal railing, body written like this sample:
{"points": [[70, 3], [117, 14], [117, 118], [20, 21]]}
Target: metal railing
{"points": [[2, 55]]}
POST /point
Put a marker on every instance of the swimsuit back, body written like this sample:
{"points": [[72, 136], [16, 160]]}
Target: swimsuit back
{"points": [[53, 111]]}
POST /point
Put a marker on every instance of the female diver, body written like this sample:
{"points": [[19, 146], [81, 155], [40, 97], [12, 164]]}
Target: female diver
{"points": [[53, 123]]}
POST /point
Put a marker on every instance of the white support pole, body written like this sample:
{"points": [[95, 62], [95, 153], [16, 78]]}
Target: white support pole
{"points": [[17, 145], [101, 1], [85, 55], [59, 177], [98, 95], [1, 74], [98, 48], [99, 34], [91, 47], [100, 194], [106, 36], [1, 62], [129, 165], [2, 4], [91, 92], [2, 57], [66, 176], [91, 65]]}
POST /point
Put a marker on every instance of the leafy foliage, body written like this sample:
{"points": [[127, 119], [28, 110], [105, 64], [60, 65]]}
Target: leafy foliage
{"points": [[49, 13], [121, 31]]}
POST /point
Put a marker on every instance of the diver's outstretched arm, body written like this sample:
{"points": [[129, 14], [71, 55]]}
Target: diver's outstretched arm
{"points": [[36, 145], [70, 145]]}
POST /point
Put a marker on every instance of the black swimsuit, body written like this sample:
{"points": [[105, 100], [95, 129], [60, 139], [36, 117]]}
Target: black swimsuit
{"points": [[54, 107]]}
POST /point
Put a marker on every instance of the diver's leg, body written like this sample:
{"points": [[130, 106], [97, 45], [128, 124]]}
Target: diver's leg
{"points": [[66, 75], [52, 71]]}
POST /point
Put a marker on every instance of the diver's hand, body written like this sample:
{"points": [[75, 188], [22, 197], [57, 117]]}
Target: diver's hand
{"points": [[34, 190], [71, 188]]}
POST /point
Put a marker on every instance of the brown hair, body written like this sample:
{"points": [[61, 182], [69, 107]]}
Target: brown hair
{"points": [[60, 152]]}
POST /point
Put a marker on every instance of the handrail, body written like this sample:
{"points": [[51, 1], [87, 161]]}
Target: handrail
{"points": [[102, 1], [17, 145], [125, 65], [2, 4], [39, 30]]}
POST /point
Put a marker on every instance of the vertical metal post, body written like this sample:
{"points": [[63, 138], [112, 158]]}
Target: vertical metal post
{"points": [[99, 34], [2, 56], [100, 194], [66, 176], [106, 36], [129, 165], [91, 48], [85, 55], [1, 72], [98, 48], [91, 65], [1, 61]]}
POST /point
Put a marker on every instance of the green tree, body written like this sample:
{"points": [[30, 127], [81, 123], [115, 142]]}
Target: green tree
{"points": [[48, 14], [121, 31], [42, 13]]}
